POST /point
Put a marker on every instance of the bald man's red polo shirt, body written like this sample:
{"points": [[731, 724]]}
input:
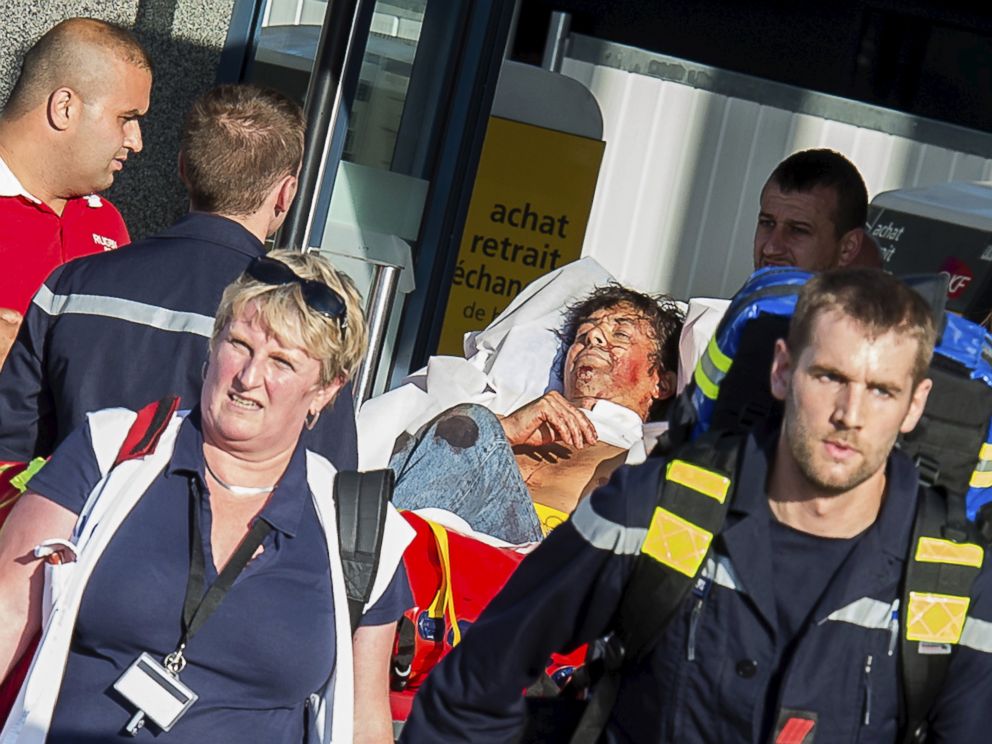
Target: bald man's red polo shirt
{"points": [[34, 240]]}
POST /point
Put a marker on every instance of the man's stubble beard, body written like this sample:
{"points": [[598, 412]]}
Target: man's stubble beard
{"points": [[803, 444]]}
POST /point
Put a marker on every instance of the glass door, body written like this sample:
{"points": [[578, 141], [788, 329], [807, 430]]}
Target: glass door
{"points": [[398, 160]]}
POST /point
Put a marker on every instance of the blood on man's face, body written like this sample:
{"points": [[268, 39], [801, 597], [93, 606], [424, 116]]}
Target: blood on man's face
{"points": [[611, 359]]}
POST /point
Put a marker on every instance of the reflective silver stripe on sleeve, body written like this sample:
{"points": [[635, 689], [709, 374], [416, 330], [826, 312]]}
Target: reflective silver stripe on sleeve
{"points": [[129, 310], [977, 634], [604, 534], [868, 613], [871, 613], [721, 572]]}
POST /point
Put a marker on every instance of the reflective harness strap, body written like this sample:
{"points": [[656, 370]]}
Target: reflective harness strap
{"points": [[692, 507], [691, 510], [936, 594]]}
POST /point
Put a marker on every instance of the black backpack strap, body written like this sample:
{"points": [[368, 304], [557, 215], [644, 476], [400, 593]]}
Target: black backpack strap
{"points": [[943, 563], [947, 442], [692, 507], [361, 503]]}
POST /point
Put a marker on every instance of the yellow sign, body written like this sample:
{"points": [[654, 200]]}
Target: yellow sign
{"points": [[528, 216]]}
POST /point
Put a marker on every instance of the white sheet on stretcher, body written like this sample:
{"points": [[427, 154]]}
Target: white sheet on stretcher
{"points": [[701, 321], [510, 363]]}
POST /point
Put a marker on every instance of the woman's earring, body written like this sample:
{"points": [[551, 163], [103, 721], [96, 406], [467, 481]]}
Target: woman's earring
{"points": [[311, 420], [203, 371]]}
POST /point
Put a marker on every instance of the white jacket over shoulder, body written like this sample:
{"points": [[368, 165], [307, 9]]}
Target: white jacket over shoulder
{"points": [[107, 507]]}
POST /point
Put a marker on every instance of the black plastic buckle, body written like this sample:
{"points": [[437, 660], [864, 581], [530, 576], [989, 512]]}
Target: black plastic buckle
{"points": [[928, 468], [604, 655], [956, 532], [921, 733]]}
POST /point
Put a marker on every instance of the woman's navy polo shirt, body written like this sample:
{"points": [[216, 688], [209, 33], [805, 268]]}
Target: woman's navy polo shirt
{"points": [[268, 645]]}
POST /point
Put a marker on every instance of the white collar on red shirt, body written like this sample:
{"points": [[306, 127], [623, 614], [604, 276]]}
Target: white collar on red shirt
{"points": [[10, 186]]}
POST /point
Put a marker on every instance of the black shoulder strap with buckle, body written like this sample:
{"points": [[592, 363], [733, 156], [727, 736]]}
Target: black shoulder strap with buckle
{"points": [[698, 489], [361, 503], [943, 560]]}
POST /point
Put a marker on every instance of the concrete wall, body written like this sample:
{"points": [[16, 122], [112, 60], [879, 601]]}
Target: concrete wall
{"points": [[184, 38]]}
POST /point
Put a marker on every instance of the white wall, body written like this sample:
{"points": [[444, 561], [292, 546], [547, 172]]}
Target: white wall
{"points": [[678, 191]]}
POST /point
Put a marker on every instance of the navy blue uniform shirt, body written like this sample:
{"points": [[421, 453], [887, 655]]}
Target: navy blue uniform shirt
{"points": [[129, 327], [718, 673], [268, 645]]}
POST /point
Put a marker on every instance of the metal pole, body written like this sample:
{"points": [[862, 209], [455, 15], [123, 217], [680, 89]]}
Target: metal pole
{"points": [[380, 305], [554, 45], [511, 37], [323, 106]]}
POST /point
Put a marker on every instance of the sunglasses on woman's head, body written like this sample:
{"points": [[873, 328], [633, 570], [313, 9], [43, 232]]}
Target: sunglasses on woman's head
{"points": [[319, 297]]}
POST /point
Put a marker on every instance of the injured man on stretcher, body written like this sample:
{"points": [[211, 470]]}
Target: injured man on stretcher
{"points": [[514, 476]]}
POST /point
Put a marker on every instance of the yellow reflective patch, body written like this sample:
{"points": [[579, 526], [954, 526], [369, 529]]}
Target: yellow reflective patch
{"points": [[981, 479], [706, 386], [698, 479], [720, 360], [936, 618], [677, 543], [20, 481], [935, 550], [549, 517], [985, 453]]}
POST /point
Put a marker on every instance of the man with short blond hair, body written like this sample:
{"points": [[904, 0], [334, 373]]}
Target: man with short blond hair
{"points": [[128, 327], [69, 125], [235, 145]]}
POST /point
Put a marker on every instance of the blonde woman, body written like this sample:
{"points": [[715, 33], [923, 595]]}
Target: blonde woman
{"points": [[212, 553]]}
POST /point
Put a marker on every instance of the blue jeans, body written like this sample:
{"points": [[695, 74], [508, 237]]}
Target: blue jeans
{"points": [[462, 462]]}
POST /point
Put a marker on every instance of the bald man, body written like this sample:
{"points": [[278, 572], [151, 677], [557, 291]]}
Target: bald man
{"points": [[70, 123]]}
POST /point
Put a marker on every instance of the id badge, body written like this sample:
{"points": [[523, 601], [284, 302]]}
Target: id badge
{"points": [[150, 688]]}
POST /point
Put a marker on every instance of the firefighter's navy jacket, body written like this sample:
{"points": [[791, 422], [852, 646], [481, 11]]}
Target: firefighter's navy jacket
{"points": [[567, 591], [129, 327]]}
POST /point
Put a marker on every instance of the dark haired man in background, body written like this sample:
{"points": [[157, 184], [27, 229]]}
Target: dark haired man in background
{"points": [[812, 216]]}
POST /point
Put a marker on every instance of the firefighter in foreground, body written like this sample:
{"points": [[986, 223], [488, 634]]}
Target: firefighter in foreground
{"points": [[793, 628]]}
